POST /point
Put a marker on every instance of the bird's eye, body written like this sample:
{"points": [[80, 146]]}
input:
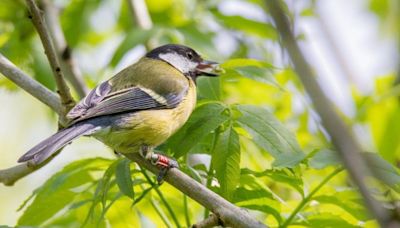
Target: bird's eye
{"points": [[190, 56]]}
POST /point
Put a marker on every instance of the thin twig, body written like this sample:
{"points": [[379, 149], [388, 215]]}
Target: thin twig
{"points": [[63, 90], [64, 52], [347, 147], [229, 214], [309, 197], [211, 221], [37, 90]]}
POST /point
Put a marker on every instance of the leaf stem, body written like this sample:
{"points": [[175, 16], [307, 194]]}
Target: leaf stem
{"points": [[210, 170], [185, 207], [309, 196], [159, 193]]}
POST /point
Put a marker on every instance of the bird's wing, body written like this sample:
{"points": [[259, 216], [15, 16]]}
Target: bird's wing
{"points": [[101, 101]]}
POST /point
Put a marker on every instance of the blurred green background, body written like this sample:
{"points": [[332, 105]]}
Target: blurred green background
{"points": [[353, 46]]}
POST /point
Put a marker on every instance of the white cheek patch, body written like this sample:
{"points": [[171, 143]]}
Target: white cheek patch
{"points": [[181, 63]]}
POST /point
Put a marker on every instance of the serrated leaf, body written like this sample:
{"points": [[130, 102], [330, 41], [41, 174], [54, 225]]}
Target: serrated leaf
{"points": [[226, 162], [124, 178], [268, 133], [204, 119]]}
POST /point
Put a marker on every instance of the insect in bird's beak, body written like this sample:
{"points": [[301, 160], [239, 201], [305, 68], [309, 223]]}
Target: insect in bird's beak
{"points": [[208, 68]]}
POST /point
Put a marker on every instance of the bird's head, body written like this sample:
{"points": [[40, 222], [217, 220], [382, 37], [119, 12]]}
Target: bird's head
{"points": [[185, 59]]}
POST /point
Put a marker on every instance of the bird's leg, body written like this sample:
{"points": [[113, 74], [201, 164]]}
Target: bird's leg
{"points": [[165, 163]]}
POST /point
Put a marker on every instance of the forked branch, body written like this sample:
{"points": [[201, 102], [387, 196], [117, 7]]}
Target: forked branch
{"points": [[63, 89]]}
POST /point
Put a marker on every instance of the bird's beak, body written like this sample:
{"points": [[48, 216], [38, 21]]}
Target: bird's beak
{"points": [[208, 68]]}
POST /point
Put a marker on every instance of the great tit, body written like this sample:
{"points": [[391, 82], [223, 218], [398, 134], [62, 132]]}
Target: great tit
{"points": [[137, 109]]}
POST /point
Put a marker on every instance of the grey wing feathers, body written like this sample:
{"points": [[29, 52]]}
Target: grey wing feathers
{"points": [[51, 145], [92, 99], [127, 100]]}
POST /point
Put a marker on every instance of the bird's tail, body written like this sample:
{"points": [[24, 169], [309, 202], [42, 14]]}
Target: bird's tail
{"points": [[51, 145]]}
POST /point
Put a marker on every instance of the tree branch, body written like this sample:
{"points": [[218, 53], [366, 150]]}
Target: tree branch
{"points": [[211, 221], [37, 90], [229, 214], [64, 53], [66, 98], [140, 13], [11, 175], [347, 147]]}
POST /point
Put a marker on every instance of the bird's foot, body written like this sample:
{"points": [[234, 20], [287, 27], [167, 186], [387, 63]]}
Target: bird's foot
{"points": [[165, 163]]}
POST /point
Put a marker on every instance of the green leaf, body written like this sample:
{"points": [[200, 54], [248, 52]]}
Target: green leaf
{"points": [[204, 119], [250, 68], [253, 195], [323, 220], [323, 158], [268, 133], [226, 161], [348, 201], [279, 176], [124, 178], [257, 199], [59, 191], [44, 207], [251, 27], [209, 88], [233, 63]]}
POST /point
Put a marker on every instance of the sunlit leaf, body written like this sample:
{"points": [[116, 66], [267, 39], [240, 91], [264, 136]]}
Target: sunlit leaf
{"points": [[348, 201], [280, 176], [323, 220], [124, 178], [226, 161], [59, 191], [204, 119], [209, 88], [250, 68], [268, 133]]}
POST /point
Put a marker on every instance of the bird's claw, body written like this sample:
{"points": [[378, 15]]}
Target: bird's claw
{"points": [[165, 163]]}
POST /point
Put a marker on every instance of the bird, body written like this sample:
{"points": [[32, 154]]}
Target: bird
{"points": [[137, 109]]}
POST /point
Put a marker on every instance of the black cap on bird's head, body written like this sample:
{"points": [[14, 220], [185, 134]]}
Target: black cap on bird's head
{"points": [[185, 59]]}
